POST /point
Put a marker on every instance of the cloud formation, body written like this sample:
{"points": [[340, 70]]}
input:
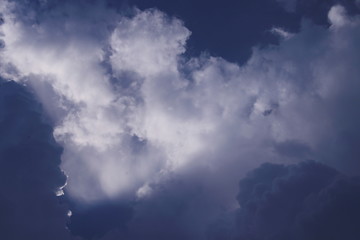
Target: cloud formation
{"points": [[126, 101], [138, 119]]}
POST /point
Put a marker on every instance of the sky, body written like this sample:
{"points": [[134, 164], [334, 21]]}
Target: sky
{"points": [[189, 120]]}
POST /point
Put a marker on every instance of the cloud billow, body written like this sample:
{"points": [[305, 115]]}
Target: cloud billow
{"points": [[137, 118]]}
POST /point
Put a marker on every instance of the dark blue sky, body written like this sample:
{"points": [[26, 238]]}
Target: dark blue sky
{"points": [[189, 120], [228, 29]]}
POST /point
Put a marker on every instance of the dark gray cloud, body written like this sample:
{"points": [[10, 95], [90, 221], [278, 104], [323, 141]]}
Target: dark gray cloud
{"points": [[304, 201]]}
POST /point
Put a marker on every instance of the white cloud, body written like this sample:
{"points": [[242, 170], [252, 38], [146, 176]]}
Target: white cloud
{"points": [[148, 44], [337, 16], [131, 109]]}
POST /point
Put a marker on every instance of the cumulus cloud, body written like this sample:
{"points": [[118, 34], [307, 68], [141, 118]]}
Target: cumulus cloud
{"points": [[132, 112], [84, 99]]}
